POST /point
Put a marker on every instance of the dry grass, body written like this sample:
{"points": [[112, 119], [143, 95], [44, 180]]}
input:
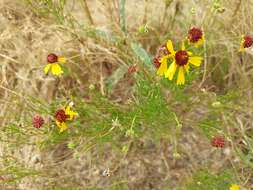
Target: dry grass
{"points": [[27, 37]]}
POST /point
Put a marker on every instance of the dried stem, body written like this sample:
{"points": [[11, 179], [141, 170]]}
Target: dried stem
{"points": [[87, 11]]}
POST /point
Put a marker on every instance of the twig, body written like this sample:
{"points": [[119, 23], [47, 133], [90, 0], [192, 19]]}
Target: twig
{"points": [[9, 58], [205, 65], [236, 9], [102, 80], [87, 11]]}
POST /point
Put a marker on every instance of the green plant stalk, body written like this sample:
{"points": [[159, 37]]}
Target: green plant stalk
{"points": [[122, 15]]}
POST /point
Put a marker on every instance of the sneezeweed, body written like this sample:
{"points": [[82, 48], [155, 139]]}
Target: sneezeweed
{"points": [[196, 36], [38, 121], [161, 59], [234, 187], [181, 59], [246, 42], [63, 115], [218, 142], [53, 64]]}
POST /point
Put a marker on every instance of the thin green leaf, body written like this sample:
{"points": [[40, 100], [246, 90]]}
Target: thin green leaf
{"points": [[141, 54], [122, 14]]}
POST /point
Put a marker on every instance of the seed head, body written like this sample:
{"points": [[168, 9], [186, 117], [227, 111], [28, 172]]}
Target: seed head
{"points": [[218, 142], [156, 62], [195, 34], [37, 121]]}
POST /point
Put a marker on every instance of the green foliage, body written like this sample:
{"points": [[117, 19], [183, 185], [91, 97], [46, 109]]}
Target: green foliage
{"points": [[66, 188], [211, 125], [100, 34], [45, 7], [115, 77], [152, 107], [122, 15], [151, 114], [207, 180], [141, 54], [13, 172]]}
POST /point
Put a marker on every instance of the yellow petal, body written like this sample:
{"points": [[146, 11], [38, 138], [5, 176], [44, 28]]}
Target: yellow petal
{"points": [[171, 71], [70, 113], [61, 125], [189, 53], [180, 77], [163, 67], [61, 59], [195, 61], [234, 187], [46, 68], [56, 69], [242, 49], [200, 42], [170, 47], [241, 46]]}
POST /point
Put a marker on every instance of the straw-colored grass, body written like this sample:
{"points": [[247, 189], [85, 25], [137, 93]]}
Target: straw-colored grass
{"points": [[148, 132]]}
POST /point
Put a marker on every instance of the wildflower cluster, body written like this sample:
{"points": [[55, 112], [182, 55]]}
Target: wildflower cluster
{"points": [[61, 117], [169, 61]]}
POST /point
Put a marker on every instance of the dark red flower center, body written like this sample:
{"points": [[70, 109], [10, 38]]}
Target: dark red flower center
{"points": [[61, 116], [52, 58], [181, 57], [156, 62], [195, 34], [248, 41], [218, 142]]}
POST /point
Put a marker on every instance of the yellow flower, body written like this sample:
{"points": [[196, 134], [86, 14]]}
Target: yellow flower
{"points": [[54, 64], [246, 42], [64, 115], [70, 112], [196, 36], [164, 59], [181, 60], [234, 187]]}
